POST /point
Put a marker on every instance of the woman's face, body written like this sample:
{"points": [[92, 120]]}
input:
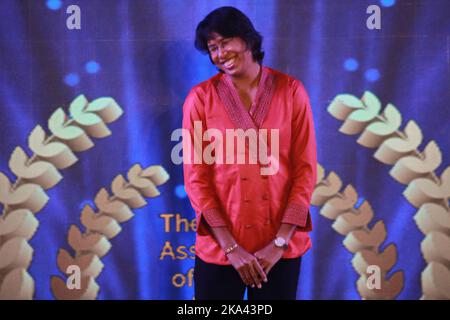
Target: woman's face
{"points": [[230, 54]]}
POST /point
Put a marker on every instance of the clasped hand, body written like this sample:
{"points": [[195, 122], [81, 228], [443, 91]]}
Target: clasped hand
{"points": [[254, 268]]}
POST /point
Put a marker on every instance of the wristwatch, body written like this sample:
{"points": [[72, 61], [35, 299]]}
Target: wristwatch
{"points": [[280, 243]]}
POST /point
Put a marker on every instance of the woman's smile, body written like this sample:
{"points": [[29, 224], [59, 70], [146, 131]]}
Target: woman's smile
{"points": [[230, 63]]}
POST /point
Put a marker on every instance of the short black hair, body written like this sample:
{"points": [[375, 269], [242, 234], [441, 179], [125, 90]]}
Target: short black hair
{"points": [[229, 22]]}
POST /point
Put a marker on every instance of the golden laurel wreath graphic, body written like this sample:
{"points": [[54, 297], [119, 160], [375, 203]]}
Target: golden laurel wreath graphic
{"points": [[411, 167], [103, 225], [363, 242], [27, 197]]}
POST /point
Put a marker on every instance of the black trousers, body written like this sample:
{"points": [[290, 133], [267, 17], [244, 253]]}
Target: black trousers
{"points": [[217, 282]]}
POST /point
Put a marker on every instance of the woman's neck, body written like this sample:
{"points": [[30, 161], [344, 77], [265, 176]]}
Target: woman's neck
{"points": [[249, 79]]}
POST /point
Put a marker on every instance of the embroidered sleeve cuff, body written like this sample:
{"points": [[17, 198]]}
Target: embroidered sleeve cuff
{"points": [[298, 215], [214, 217]]}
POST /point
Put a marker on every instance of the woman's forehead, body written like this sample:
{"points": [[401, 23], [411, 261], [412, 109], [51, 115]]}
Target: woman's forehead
{"points": [[215, 37]]}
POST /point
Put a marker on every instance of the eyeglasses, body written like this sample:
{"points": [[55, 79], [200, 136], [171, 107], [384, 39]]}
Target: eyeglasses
{"points": [[223, 44]]}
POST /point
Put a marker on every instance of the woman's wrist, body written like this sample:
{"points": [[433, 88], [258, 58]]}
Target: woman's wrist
{"points": [[286, 231], [230, 249], [224, 237]]}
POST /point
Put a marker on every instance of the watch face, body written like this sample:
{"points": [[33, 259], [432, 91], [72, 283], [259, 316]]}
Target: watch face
{"points": [[280, 242]]}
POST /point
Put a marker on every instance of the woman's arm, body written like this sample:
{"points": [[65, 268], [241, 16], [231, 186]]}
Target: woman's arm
{"points": [[304, 162], [286, 231]]}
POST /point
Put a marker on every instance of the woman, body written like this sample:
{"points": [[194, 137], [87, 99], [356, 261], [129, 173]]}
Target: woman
{"points": [[252, 228]]}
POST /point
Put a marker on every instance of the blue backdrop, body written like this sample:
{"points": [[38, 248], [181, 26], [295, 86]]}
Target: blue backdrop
{"points": [[141, 53]]}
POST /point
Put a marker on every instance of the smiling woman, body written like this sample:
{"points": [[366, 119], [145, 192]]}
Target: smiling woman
{"points": [[249, 223], [228, 29], [228, 52]]}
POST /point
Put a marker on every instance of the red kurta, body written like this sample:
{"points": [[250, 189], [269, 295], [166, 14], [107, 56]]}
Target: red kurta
{"points": [[251, 204]]}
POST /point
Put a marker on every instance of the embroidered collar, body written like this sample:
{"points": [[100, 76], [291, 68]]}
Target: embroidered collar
{"points": [[236, 110]]}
